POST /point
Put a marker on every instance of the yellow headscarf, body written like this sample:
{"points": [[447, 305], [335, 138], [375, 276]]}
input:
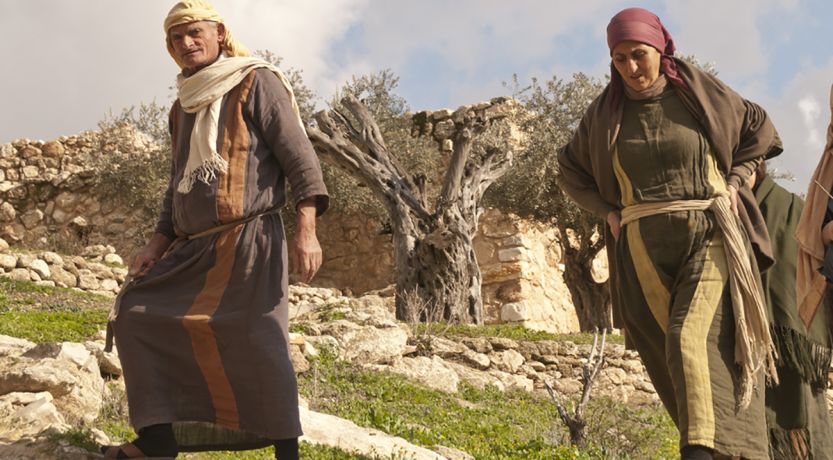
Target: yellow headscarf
{"points": [[199, 10]]}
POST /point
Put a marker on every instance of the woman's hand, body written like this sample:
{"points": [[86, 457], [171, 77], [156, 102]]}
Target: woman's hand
{"points": [[733, 198], [614, 218]]}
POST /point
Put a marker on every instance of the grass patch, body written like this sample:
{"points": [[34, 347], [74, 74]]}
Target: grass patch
{"points": [[485, 423], [508, 331], [50, 314], [53, 326]]}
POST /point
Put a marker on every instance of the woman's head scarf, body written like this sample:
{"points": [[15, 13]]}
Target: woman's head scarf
{"points": [[640, 25]]}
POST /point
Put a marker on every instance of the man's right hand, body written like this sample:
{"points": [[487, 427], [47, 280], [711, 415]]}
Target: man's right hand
{"points": [[147, 257]]}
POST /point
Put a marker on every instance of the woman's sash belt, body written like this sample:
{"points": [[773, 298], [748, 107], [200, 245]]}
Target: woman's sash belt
{"points": [[753, 343]]}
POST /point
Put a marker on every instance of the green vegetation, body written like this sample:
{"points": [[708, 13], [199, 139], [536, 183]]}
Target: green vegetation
{"points": [[46, 314], [486, 423], [508, 331]]}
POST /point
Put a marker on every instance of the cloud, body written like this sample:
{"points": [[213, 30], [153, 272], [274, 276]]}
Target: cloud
{"points": [[801, 114], [87, 57]]}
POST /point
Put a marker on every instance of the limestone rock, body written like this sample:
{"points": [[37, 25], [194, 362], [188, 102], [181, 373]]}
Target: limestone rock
{"points": [[108, 362], [478, 344], [335, 432], [114, 259], [13, 346], [371, 345], [475, 378], [514, 312], [8, 261], [20, 274], [512, 381], [4, 245], [41, 268], [52, 258], [507, 360], [431, 372], [7, 212], [299, 361], [63, 278]]}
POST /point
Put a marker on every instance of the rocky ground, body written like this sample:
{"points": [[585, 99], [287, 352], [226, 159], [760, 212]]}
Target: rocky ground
{"points": [[50, 389]]}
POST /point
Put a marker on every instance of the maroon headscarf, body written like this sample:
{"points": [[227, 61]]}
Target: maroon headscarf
{"points": [[640, 25]]}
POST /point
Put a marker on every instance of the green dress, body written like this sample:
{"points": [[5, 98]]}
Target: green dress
{"points": [[673, 279]]}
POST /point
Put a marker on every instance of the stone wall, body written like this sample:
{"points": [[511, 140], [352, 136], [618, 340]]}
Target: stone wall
{"points": [[48, 197], [49, 201]]}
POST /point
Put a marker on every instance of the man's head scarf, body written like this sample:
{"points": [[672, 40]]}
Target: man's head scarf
{"points": [[188, 11], [202, 93], [640, 25]]}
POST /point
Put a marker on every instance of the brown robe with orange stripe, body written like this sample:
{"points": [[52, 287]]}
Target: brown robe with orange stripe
{"points": [[203, 337]]}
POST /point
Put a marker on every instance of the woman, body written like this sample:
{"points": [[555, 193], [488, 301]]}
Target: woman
{"points": [[661, 156]]}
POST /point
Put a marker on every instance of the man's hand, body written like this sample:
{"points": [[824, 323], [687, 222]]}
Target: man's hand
{"points": [[733, 198], [147, 257], [305, 255], [614, 219]]}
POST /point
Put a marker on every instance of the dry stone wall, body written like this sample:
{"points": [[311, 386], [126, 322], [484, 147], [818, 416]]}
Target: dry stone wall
{"points": [[48, 197]]}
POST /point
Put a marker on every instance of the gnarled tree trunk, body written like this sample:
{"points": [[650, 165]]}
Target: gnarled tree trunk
{"points": [[590, 298], [436, 269]]}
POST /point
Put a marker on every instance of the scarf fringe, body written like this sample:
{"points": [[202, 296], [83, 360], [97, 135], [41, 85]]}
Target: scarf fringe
{"points": [[205, 173], [797, 352], [790, 444]]}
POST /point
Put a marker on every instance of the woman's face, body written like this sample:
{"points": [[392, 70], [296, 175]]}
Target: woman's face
{"points": [[637, 64]]}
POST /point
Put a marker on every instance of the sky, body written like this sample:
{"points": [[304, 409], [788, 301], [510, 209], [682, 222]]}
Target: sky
{"points": [[69, 63]]}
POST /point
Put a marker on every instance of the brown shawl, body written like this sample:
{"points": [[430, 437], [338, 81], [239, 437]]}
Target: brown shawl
{"points": [[738, 131], [810, 283]]}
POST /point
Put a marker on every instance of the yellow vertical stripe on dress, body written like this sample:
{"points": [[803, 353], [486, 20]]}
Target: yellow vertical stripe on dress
{"points": [[656, 294], [197, 322], [716, 179], [694, 343], [625, 186]]}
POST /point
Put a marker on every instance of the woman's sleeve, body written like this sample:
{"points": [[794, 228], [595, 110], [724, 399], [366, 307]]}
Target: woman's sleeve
{"points": [[575, 173]]}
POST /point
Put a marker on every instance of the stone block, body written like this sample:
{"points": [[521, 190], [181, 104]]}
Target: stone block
{"points": [[514, 312], [512, 255]]}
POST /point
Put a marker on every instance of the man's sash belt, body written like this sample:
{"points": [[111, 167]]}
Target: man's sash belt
{"points": [[753, 343]]}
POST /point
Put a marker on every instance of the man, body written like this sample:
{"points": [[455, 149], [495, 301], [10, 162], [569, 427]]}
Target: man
{"points": [[202, 326], [797, 415]]}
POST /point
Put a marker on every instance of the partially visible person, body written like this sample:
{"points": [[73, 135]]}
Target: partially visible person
{"points": [[797, 415], [662, 156]]}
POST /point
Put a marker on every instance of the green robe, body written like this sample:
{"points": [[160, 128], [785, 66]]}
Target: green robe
{"points": [[797, 413]]}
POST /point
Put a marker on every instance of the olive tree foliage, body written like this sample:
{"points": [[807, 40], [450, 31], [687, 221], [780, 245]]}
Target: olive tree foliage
{"points": [[133, 161], [531, 189]]}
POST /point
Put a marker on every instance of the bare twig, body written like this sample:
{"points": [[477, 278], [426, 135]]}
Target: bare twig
{"points": [[576, 421]]}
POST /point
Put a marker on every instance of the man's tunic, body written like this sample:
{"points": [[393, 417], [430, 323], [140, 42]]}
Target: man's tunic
{"points": [[203, 336]]}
